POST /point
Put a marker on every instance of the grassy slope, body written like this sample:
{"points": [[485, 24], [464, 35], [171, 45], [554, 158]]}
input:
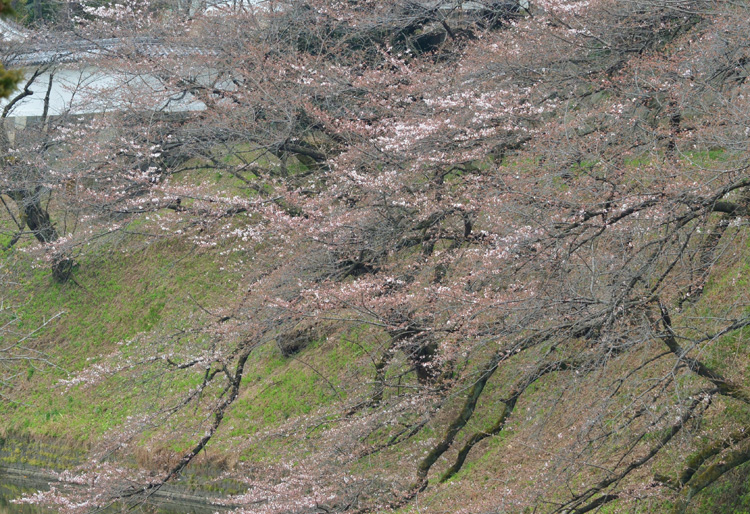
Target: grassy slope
{"points": [[135, 288], [113, 298], [132, 288]]}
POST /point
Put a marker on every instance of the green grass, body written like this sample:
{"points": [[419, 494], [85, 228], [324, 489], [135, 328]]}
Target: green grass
{"points": [[707, 157], [701, 158], [278, 389], [104, 306]]}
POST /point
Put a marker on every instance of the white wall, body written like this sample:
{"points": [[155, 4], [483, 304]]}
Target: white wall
{"points": [[90, 90]]}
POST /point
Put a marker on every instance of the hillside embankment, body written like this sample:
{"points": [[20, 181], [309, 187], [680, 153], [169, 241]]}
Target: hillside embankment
{"points": [[409, 258]]}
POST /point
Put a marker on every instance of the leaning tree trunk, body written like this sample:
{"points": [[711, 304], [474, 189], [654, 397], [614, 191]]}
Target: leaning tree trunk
{"points": [[34, 216]]}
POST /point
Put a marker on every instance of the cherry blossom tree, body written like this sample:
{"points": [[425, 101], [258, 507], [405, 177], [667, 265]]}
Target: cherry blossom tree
{"points": [[521, 203]]}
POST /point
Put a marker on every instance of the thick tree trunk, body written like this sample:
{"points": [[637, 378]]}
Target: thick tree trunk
{"points": [[34, 216]]}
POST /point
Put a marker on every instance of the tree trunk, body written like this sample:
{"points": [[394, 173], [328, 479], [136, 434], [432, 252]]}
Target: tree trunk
{"points": [[37, 219]]}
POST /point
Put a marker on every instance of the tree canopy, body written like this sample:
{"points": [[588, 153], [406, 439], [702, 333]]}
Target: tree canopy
{"points": [[507, 245]]}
